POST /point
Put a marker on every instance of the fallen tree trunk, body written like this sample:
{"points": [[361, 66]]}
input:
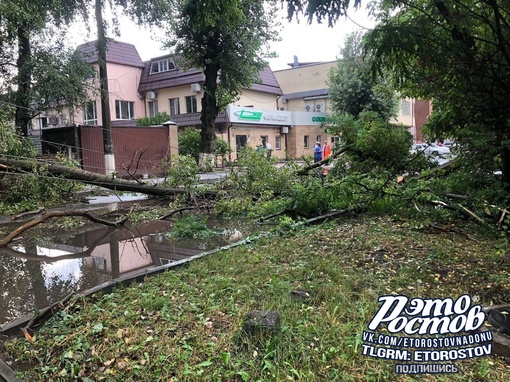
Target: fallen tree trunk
{"points": [[88, 177], [304, 170]]}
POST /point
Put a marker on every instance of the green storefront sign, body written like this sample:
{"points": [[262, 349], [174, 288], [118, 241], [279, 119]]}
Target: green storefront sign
{"points": [[248, 115]]}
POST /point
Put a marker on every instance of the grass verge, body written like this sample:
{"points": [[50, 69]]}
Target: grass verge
{"points": [[185, 324]]}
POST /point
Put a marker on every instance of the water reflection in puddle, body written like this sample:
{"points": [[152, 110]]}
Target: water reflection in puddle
{"points": [[35, 274]]}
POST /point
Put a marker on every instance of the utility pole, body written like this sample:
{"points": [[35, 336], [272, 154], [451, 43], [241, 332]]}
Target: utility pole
{"points": [[109, 159]]}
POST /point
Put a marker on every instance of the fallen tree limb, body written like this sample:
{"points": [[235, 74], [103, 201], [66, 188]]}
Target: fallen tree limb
{"points": [[304, 170], [87, 177], [22, 215], [44, 312], [428, 173], [177, 211], [49, 259], [331, 215], [286, 211], [18, 231], [461, 209]]}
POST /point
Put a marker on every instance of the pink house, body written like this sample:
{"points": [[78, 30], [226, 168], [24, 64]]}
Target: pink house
{"points": [[124, 68]]}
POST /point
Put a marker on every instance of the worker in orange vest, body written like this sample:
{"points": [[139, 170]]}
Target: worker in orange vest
{"points": [[326, 150]]}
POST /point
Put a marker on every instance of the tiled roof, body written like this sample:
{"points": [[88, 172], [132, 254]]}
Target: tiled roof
{"points": [[268, 82], [156, 81], [117, 52], [193, 119], [309, 93], [182, 120], [168, 79]]}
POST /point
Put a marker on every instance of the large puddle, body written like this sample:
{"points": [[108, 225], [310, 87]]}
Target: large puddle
{"points": [[45, 266]]}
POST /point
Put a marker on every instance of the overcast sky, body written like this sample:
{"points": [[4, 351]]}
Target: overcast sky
{"points": [[315, 42]]}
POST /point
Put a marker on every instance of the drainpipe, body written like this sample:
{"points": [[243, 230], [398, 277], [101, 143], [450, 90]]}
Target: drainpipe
{"points": [[277, 98], [228, 137]]}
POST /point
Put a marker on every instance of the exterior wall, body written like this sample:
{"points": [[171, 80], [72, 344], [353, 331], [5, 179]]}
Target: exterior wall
{"points": [[248, 97], [122, 85], [422, 112], [149, 144], [296, 139], [300, 104], [304, 78], [257, 100], [406, 114], [254, 138], [181, 92]]}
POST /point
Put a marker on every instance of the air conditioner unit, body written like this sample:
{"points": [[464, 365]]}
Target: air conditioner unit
{"points": [[308, 108], [196, 88], [319, 108], [52, 120], [284, 129], [151, 95]]}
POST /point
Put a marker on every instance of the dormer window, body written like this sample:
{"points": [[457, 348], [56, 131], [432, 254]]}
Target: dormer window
{"points": [[161, 66]]}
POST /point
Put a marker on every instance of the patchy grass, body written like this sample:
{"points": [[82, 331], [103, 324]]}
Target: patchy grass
{"points": [[185, 324]]}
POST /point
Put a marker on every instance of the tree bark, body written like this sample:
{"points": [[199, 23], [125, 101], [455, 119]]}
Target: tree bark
{"points": [[22, 96], [94, 179], [208, 116], [102, 43]]}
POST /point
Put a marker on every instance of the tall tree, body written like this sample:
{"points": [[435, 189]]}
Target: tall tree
{"points": [[227, 41], [36, 74], [353, 86], [456, 53], [363, 104]]}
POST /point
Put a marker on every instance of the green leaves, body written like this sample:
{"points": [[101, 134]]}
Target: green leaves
{"points": [[456, 54], [353, 86]]}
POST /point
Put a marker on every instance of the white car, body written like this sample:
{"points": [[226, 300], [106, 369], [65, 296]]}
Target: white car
{"points": [[431, 149]]}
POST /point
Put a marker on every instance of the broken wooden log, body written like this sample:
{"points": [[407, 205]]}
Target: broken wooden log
{"points": [[91, 178]]}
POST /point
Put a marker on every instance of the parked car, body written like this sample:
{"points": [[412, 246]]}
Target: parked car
{"points": [[431, 149]]}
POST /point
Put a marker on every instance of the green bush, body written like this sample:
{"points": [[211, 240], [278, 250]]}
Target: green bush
{"points": [[181, 171], [157, 120], [189, 144], [190, 227], [260, 174]]}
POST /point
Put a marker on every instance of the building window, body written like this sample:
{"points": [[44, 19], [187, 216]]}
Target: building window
{"points": [[174, 106], [264, 138], [43, 122], [161, 66], [240, 141], [307, 141], [406, 107], [124, 109], [335, 141], [318, 138], [278, 142], [191, 104], [153, 108], [90, 113]]}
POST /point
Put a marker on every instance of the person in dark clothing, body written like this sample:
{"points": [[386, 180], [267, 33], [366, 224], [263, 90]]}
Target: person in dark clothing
{"points": [[317, 152]]}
